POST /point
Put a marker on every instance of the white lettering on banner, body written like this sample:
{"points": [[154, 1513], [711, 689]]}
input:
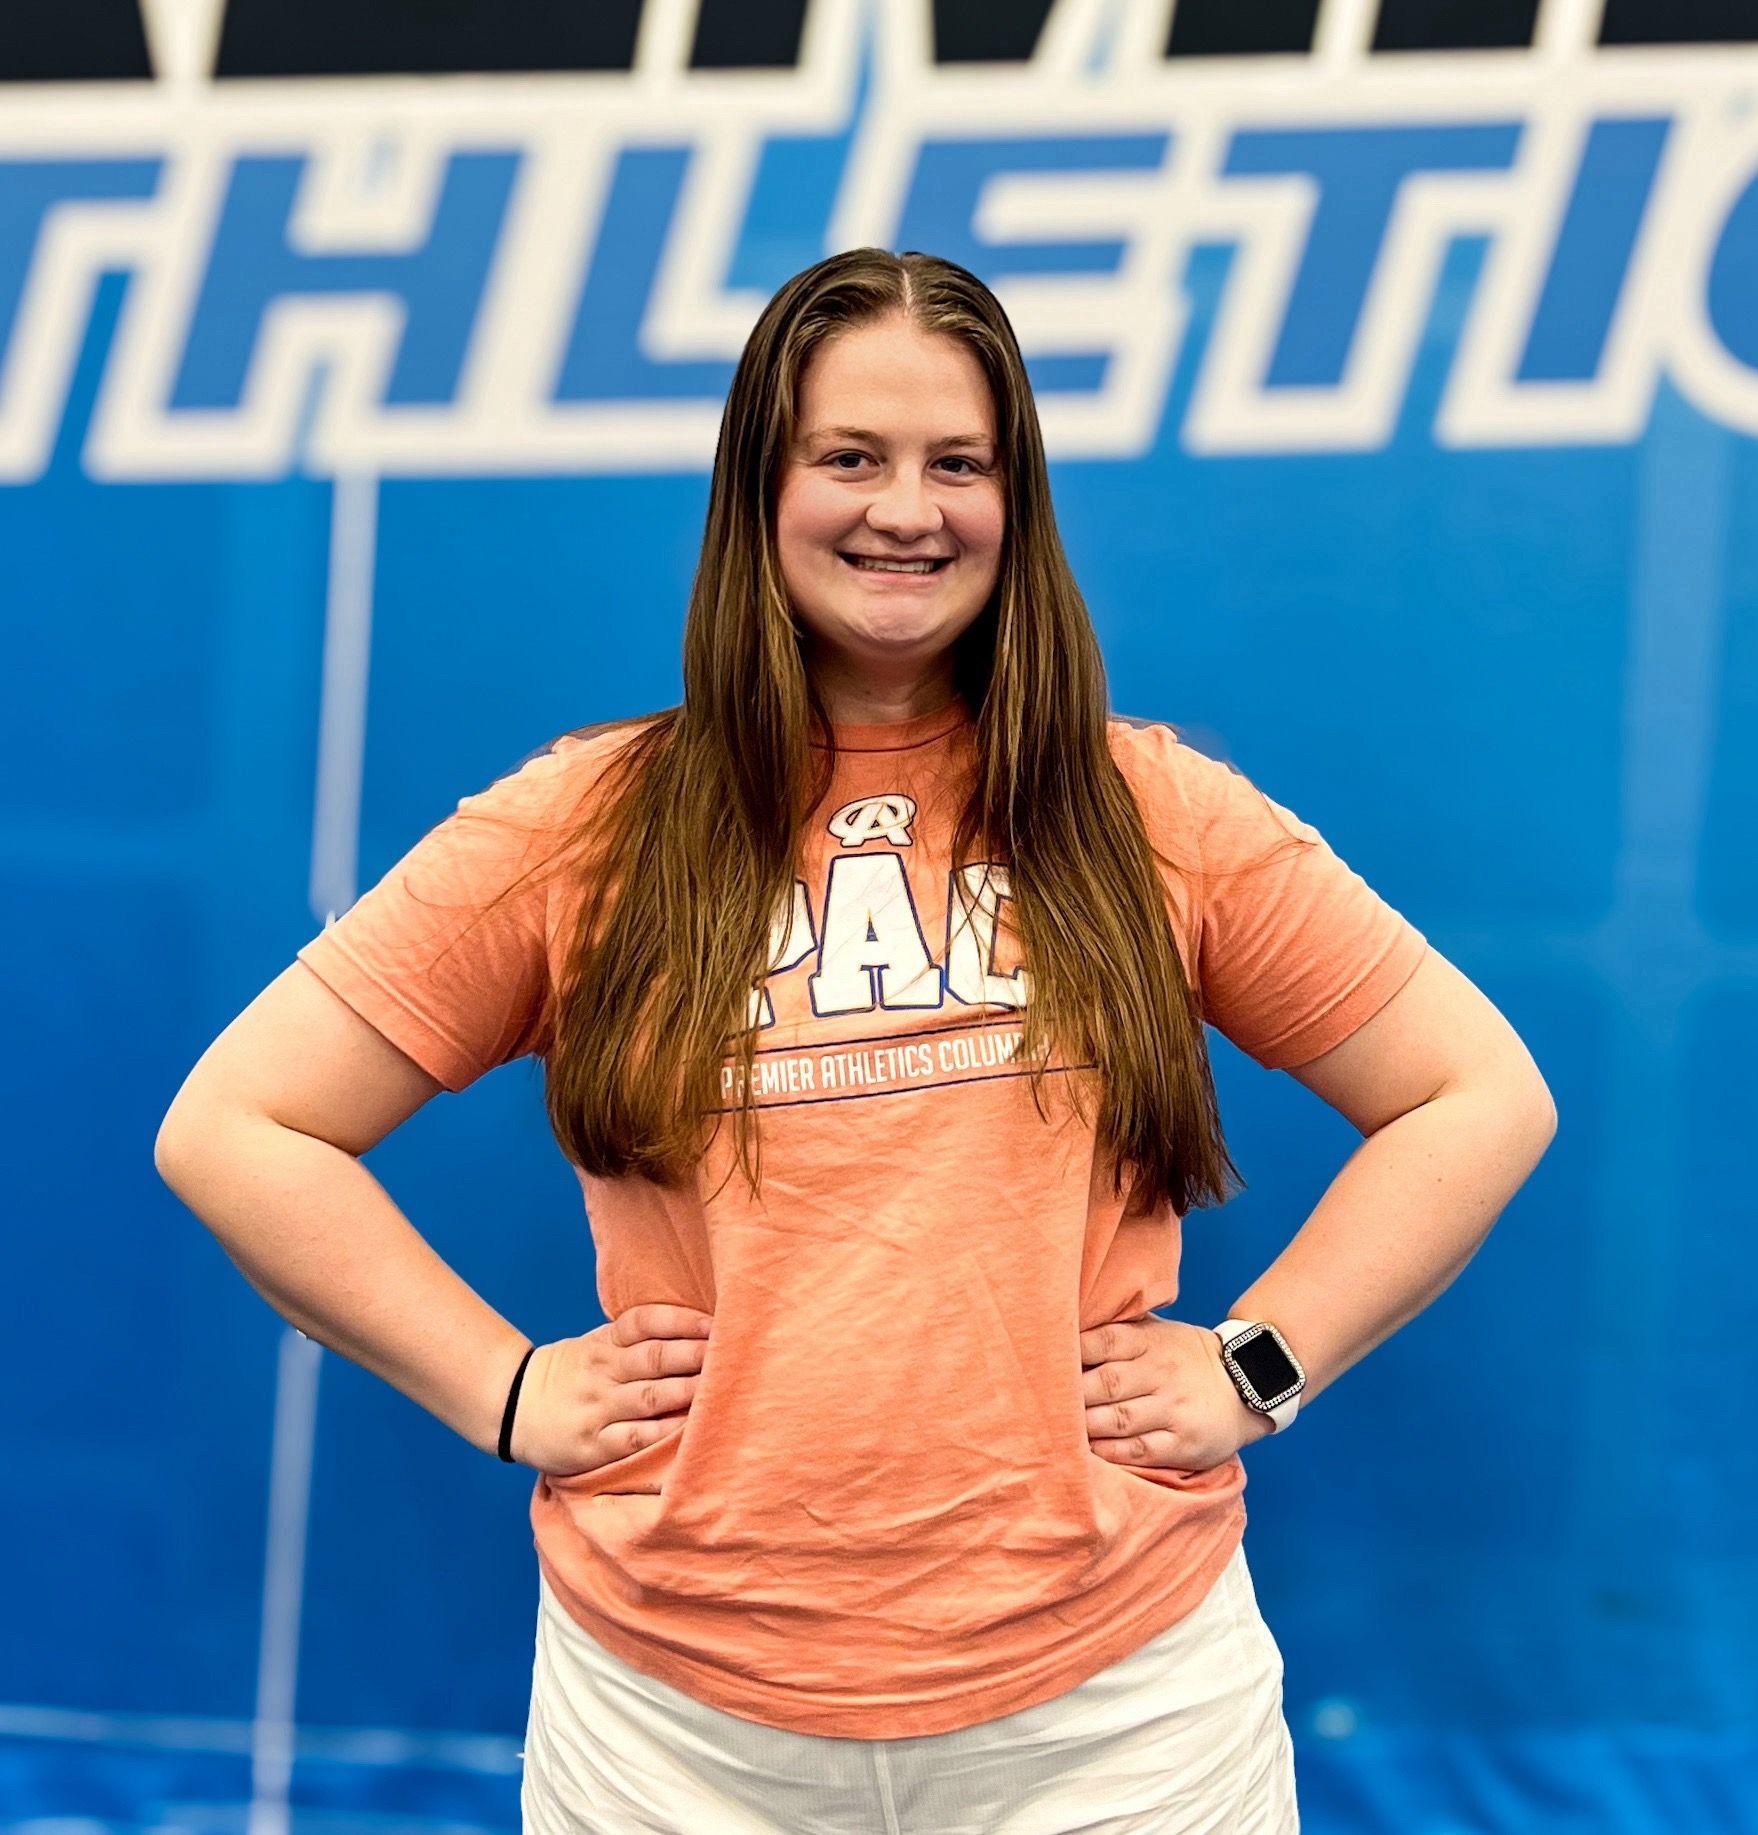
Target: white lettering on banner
{"points": [[515, 275]]}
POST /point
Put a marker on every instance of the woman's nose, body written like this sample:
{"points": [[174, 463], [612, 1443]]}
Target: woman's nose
{"points": [[905, 508]]}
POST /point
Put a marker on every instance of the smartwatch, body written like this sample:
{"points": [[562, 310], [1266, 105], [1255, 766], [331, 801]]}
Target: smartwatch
{"points": [[1264, 1370]]}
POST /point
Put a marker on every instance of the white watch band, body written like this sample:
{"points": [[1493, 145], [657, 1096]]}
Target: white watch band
{"points": [[1283, 1413]]}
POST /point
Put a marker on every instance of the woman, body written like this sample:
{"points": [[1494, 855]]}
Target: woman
{"points": [[870, 985]]}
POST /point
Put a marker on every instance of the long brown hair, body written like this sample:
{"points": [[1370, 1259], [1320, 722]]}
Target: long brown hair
{"points": [[697, 823]]}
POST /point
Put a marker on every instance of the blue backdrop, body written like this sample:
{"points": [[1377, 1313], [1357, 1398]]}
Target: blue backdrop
{"points": [[1403, 439]]}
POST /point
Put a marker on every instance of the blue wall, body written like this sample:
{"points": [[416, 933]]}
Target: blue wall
{"points": [[1512, 677]]}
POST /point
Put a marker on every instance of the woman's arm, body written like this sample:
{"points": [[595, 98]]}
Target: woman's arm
{"points": [[263, 1143], [1456, 1115]]}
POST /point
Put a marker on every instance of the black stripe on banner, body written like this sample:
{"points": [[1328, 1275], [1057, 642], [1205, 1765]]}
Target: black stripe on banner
{"points": [[1226, 28], [987, 31], [1454, 25], [424, 37], [74, 41], [748, 35], [1678, 22]]}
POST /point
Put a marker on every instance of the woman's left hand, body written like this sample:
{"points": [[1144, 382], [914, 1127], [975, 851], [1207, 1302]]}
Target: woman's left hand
{"points": [[1157, 1393]]}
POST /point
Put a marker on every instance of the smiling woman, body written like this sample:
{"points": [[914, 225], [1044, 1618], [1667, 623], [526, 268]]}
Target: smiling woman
{"points": [[889, 516], [880, 413], [870, 986]]}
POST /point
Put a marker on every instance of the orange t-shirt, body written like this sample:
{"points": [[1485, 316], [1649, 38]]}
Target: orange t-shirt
{"points": [[882, 1517]]}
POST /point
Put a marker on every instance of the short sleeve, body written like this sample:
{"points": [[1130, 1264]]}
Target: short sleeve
{"points": [[447, 955], [1294, 949]]}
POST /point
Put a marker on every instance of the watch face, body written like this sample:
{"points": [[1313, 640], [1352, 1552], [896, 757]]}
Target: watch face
{"points": [[1268, 1368]]}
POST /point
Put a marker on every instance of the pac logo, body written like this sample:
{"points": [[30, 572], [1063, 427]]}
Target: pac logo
{"points": [[874, 818], [868, 949]]}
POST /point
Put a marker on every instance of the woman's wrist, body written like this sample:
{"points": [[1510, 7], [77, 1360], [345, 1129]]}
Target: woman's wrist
{"points": [[510, 1408], [508, 1364]]}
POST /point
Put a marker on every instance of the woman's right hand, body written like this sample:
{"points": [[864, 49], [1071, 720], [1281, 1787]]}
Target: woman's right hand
{"points": [[620, 1387]]}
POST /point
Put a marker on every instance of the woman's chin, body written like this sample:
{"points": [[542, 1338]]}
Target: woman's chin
{"points": [[902, 631], [886, 637]]}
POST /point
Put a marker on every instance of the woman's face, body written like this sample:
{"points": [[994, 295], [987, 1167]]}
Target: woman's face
{"points": [[894, 460]]}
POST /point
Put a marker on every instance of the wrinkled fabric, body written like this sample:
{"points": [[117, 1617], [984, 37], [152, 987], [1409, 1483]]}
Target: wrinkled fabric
{"points": [[1184, 1736], [882, 1517]]}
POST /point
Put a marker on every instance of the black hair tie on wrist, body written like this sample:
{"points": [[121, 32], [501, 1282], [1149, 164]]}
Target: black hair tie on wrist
{"points": [[512, 1406]]}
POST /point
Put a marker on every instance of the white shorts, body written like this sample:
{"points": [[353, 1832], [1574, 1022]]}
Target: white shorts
{"points": [[1184, 1736]]}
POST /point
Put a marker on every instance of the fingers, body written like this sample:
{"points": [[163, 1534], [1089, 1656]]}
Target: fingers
{"points": [[657, 1355], [1120, 1380], [659, 1320], [1116, 1340], [633, 1434], [639, 1401], [661, 1336], [612, 1391], [655, 1341]]}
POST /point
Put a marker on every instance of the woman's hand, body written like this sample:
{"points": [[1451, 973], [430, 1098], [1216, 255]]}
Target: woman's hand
{"points": [[1157, 1393], [618, 1388]]}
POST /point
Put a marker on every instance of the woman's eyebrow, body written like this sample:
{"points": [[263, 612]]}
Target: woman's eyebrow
{"points": [[873, 439]]}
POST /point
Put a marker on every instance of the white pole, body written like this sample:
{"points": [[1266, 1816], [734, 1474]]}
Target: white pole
{"points": [[335, 856]]}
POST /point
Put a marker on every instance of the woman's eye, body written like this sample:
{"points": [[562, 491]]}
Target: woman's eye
{"points": [[850, 459]]}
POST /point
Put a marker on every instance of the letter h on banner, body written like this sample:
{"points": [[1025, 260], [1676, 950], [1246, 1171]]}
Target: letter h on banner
{"points": [[253, 268]]}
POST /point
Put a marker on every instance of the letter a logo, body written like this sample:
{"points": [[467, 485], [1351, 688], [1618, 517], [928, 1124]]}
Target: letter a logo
{"points": [[875, 818]]}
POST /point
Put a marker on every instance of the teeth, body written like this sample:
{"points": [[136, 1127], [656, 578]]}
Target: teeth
{"points": [[897, 566]]}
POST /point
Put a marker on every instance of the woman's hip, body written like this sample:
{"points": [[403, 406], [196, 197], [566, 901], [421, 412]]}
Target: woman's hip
{"points": [[1184, 1736]]}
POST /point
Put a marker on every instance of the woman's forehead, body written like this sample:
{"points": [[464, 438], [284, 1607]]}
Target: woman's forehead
{"points": [[889, 381], [898, 410]]}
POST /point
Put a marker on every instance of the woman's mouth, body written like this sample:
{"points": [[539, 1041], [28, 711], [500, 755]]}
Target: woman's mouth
{"points": [[918, 567]]}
